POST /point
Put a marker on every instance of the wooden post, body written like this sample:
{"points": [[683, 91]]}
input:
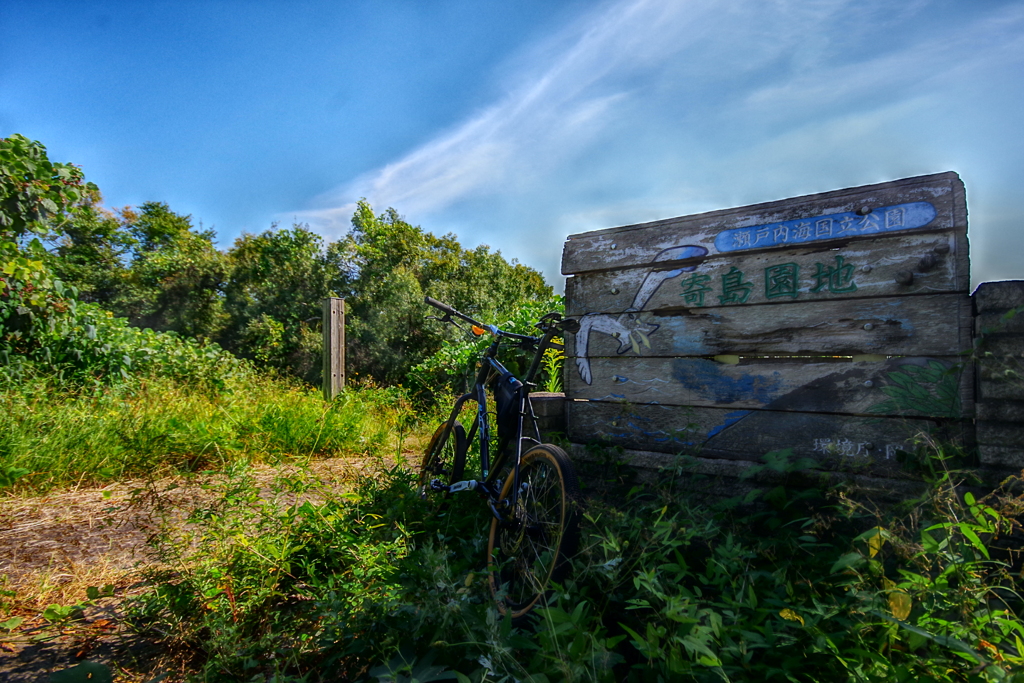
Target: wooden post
{"points": [[334, 347]]}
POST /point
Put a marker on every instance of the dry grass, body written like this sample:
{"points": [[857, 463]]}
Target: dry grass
{"points": [[81, 536], [54, 547]]}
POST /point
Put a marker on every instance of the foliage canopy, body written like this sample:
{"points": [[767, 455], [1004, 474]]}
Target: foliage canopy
{"points": [[259, 299], [44, 327]]}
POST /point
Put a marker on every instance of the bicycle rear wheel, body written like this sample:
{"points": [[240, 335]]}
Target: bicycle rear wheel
{"points": [[445, 457], [533, 548]]}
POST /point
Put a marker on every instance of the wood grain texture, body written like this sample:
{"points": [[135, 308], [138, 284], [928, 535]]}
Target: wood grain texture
{"points": [[963, 251], [919, 387], [875, 266], [937, 325], [333, 347], [656, 301], [637, 245], [714, 479], [836, 442]]}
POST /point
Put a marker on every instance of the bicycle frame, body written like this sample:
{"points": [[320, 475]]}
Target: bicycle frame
{"points": [[489, 485], [534, 528]]}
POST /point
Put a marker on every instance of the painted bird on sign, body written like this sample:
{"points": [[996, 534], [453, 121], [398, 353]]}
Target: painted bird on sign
{"points": [[627, 328]]}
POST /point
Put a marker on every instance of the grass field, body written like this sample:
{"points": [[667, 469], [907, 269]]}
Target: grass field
{"points": [[159, 427], [284, 541]]}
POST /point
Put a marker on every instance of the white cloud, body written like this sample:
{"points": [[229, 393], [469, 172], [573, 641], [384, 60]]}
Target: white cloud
{"points": [[645, 109], [952, 56], [554, 111]]}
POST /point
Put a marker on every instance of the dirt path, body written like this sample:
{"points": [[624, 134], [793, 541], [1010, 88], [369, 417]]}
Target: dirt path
{"points": [[53, 547]]}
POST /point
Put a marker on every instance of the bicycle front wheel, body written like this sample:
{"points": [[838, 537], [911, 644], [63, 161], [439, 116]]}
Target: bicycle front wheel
{"points": [[532, 548], [445, 457]]}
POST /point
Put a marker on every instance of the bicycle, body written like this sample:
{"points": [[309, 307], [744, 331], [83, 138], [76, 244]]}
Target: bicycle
{"points": [[535, 511]]}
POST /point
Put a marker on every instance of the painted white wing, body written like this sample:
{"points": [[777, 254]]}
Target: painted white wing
{"points": [[655, 278], [583, 365], [614, 327], [582, 340], [597, 322], [650, 286]]}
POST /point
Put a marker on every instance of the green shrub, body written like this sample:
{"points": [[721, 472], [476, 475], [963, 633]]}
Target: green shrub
{"points": [[802, 588], [46, 331], [83, 344], [275, 586]]}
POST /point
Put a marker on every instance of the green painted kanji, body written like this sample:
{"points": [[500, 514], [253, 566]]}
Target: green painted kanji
{"points": [[782, 280], [694, 289], [838, 280], [734, 289]]}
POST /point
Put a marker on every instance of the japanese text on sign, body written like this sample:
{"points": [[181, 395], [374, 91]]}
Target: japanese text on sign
{"points": [[781, 280], [838, 225]]}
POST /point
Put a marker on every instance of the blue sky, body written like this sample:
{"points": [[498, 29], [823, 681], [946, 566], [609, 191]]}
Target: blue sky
{"points": [[515, 124]]}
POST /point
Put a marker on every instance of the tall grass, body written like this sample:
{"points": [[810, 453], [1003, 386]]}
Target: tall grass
{"points": [[160, 426], [378, 584]]}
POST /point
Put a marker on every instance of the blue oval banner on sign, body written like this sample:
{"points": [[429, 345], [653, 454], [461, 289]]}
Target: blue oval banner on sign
{"points": [[833, 226]]}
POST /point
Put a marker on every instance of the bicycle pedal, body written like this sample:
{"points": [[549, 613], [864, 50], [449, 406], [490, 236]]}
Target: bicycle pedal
{"points": [[468, 485]]}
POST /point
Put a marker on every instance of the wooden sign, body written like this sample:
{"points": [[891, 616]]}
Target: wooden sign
{"points": [[832, 324]]}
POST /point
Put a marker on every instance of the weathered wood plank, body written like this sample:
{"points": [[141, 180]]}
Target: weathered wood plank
{"points": [[779, 224], [963, 251], [907, 326], [968, 388], [333, 380], [873, 268], [835, 441], [714, 479], [918, 387]]}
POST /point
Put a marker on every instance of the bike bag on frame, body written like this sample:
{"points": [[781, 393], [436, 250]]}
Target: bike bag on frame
{"points": [[508, 396]]}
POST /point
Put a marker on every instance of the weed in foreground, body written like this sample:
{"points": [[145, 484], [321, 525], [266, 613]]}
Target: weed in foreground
{"points": [[803, 586]]}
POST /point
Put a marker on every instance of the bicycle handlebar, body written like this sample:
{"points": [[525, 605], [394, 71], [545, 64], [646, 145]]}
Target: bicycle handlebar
{"points": [[440, 306], [551, 324], [564, 324], [450, 312]]}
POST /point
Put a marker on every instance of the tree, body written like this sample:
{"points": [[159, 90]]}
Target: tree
{"points": [[37, 195], [149, 265], [175, 277], [272, 299], [384, 267], [91, 255]]}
